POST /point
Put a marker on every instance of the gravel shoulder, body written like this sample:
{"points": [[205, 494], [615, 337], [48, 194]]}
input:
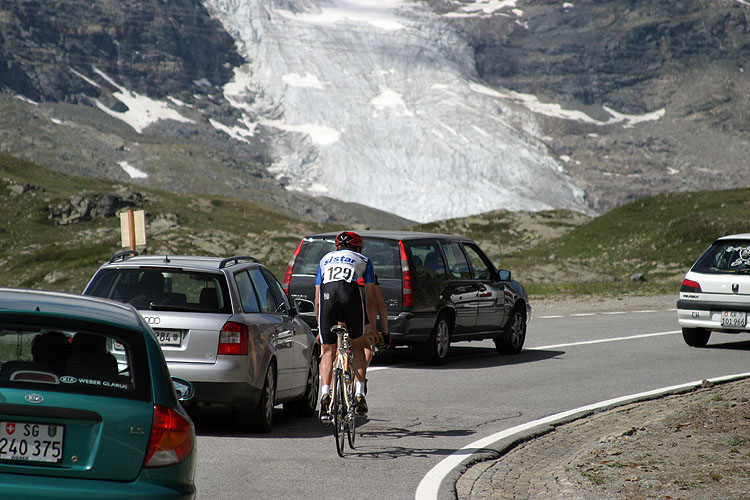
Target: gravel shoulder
{"points": [[545, 307]]}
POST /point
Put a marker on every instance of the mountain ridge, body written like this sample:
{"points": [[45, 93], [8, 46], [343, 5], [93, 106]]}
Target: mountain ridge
{"points": [[590, 58]]}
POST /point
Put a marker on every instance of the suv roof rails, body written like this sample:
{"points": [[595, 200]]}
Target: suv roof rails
{"points": [[236, 260], [123, 255]]}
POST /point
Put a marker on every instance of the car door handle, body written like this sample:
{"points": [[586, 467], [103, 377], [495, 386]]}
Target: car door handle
{"points": [[285, 336]]}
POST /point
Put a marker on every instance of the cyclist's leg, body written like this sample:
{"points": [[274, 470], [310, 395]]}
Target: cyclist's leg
{"points": [[327, 317]]}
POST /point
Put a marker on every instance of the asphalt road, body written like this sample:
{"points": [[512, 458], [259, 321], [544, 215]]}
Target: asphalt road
{"points": [[420, 415]]}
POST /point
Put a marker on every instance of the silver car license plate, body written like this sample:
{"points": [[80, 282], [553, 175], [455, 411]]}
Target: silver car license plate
{"points": [[31, 442], [734, 319], [169, 337]]}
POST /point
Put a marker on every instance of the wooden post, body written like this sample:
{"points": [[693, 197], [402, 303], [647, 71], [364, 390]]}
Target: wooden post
{"points": [[131, 226]]}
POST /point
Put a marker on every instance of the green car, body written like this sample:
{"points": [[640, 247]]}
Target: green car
{"points": [[87, 406]]}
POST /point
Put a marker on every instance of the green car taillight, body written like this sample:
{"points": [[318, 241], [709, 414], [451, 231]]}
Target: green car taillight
{"points": [[172, 438]]}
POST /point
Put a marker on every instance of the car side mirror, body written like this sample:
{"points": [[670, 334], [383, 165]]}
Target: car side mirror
{"points": [[504, 275], [304, 306], [183, 388]]}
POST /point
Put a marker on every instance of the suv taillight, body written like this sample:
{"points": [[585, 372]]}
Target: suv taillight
{"points": [[407, 299], [172, 438], [690, 286], [290, 268], [233, 339]]}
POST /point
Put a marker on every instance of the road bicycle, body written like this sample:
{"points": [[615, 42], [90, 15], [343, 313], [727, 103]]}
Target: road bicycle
{"points": [[343, 413]]}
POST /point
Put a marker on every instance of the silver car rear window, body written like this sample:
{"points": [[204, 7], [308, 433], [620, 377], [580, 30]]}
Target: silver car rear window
{"points": [[164, 289]]}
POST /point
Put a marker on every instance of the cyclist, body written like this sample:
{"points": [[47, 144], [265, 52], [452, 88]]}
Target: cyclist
{"points": [[338, 300]]}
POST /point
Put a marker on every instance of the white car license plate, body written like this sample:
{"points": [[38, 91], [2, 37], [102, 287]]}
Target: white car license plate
{"points": [[31, 442], [169, 337], [734, 319]]}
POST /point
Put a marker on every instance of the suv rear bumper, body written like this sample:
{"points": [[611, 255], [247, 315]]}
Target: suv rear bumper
{"points": [[408, 328]]}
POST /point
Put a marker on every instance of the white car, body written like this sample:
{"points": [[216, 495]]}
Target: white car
{"points": [[715, 294]]}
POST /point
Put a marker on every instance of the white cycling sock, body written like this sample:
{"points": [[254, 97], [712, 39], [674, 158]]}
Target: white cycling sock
{"points": [[325, 389], [359, 388]]}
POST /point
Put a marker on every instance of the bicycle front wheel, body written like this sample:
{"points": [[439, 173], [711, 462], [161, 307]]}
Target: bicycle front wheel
{"points": [[339, 410], [351, 429]]}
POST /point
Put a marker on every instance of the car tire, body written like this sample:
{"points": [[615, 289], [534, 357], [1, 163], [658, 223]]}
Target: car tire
{"points": [[260, 419], [306, 406], [435, 350], [696, 337], [511, 340]]}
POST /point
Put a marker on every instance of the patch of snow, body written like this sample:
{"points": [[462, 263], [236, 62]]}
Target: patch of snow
{"points": [[142, 110], [307, 81], [133, 172], [26, 100]]}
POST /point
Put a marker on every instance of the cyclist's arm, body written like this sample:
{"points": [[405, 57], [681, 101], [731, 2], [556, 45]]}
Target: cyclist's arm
{"points": [[317, 300]]}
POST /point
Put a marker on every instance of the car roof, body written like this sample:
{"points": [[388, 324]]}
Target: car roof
{"points": [[740, 236], [199, 262], [398, 235], [15, 300]]}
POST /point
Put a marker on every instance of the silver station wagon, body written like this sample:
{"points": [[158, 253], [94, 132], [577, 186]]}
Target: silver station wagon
{"points": [[226, 326], [715, 294]]}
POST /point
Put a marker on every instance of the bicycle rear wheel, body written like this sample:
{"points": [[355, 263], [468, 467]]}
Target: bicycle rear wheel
{"points": [[339, 411]]}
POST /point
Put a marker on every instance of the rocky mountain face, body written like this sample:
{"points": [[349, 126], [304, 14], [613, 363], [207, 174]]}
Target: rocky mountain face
{"points": [[690, 58], [62, 62]]}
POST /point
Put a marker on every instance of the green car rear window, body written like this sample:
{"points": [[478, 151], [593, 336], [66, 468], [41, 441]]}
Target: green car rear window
{"points": [[72, 361]]}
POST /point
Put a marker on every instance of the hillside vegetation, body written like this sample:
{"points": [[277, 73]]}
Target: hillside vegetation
{"points": [[58, 229]]}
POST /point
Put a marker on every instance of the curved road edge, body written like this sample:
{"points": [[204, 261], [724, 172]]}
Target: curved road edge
{"points": [[434, 486]]}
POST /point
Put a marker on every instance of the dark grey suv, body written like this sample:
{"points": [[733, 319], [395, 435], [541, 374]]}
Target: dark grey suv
{"points": [[438, 288]]}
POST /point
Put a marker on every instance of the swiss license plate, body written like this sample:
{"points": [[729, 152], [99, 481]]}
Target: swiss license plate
{"points": [[734, 319], [169, 337], [31, 442]]}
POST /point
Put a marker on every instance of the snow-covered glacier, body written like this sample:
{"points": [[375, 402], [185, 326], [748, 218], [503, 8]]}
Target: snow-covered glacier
{"points": [[377, 102]]}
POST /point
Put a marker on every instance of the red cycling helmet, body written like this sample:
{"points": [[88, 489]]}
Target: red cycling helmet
{"points": [[348, 239]]}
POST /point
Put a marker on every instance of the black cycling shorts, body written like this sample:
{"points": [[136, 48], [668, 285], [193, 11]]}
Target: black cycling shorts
{"points": [[340, 302]]}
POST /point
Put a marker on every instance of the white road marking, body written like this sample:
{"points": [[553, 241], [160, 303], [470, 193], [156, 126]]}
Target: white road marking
{"points": [[429, 486], [580, 315], [601, 341]]}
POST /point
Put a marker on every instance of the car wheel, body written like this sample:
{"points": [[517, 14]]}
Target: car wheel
{"points": [[261, 417], [435, 351], [696, 337], [511, 340], [305, 407]]}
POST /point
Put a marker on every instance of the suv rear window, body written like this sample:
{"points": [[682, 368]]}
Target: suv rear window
{"points": [[384, 255], [727, 256], [73, 361], [164, 289]]}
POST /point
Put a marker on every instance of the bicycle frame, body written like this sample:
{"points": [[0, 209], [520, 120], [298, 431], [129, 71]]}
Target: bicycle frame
{"points": [[343, 410]]}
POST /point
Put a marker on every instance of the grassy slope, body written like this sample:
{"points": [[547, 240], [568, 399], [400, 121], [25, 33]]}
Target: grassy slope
{"points": [[550, 252], [36, 253]]}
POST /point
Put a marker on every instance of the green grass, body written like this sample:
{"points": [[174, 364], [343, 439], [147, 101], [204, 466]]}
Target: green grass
{"points": [[552, 253]]}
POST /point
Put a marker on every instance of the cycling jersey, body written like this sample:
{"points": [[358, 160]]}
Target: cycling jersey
{"points": [[344, 265], [340, 297]]}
